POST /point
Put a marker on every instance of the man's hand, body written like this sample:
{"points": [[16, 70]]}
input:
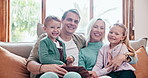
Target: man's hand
{"points": [[116, 62], [53, 68]]}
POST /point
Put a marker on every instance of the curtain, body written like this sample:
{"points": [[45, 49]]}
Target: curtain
{"points": [[43, 10], [128, 17], [4, 20]]}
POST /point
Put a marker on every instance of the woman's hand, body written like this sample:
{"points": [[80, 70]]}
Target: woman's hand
{"points": [[116, 62]]}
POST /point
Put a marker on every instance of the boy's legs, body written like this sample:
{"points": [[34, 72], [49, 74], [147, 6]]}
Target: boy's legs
{"points": [[49, 75], [72, 75]]}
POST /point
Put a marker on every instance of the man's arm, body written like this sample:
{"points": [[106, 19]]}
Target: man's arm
{"points": [[37, 68], [33, 67]]}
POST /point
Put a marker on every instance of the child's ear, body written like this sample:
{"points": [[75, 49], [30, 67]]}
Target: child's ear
{"points": [[123, 38], [44, 28]]}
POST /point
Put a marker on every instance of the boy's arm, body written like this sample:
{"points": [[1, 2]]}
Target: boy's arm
{"points": [[69, 61]]}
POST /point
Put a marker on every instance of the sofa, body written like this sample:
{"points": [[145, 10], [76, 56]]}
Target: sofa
{"points": [[13, 56]]}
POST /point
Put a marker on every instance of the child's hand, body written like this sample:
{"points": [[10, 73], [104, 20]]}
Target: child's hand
{"points": [[108, 68], [70, 60], [93, 74]]}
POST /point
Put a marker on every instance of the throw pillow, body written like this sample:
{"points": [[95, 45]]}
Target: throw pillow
{"points": [[12, 66], [138, 43], [142, 65], [40, 29]]}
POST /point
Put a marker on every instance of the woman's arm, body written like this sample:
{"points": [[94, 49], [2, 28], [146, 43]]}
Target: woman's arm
{"points": [[81, 61]]}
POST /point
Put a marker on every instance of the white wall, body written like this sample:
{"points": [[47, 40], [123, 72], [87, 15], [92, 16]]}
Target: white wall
{"points": [[141, 18]]}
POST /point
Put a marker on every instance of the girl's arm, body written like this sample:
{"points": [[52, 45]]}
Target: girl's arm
{"points": [[100, 69], [125, 56]]}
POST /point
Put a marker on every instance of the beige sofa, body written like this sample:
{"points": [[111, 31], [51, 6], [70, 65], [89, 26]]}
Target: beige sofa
{"points": [[13, 56]]}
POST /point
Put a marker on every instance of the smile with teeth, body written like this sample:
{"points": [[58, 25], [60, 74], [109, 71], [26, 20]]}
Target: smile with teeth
{"points": [[55, 33], [97, 34], [71, 27], [112, 38]]}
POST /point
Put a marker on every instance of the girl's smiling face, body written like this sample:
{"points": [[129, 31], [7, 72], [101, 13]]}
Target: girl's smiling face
{"points": [[115, 35]]}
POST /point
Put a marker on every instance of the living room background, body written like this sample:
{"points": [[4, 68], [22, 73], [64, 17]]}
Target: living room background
{"points": [[110, 10]]}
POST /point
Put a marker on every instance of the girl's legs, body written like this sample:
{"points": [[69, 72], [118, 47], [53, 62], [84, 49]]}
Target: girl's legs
{"points": [[49, 75], [72, 75], [113, 74], [127, 74], [122, 74]]}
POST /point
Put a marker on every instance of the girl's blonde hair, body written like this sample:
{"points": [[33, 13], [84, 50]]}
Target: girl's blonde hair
{"points": [[126, 40], [90, 26]]}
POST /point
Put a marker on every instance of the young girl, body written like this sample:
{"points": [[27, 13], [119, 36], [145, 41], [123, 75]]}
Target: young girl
{"points": [[119, 44], [51, 50]]}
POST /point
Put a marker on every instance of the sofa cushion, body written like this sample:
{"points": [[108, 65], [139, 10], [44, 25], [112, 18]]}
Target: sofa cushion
{"points": [[12, 66], [142, 65]]}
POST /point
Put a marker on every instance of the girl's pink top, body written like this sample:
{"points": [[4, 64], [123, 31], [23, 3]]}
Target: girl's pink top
{"points": [[104, 57]]}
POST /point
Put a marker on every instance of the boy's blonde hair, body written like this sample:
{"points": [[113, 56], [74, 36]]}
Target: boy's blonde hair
{"points": [[126, 40], [51, 18]]}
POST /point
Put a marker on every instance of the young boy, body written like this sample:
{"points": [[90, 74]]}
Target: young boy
{"points": [[51, 50]]}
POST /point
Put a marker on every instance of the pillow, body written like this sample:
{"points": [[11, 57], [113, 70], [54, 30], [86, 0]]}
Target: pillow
{"points": [[12, 66], [138, 43], [40, 29], [142, 65]]}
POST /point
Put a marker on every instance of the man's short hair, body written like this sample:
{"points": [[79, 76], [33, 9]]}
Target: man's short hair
{"points": [[71, 10]]}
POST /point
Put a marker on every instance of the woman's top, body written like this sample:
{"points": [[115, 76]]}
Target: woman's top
{"points": [[88, 55]]}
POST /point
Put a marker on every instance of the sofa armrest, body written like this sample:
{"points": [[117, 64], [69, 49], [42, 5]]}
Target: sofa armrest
{"points": [[19, 48]]}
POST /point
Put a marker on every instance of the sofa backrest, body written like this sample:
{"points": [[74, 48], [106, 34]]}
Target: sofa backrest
{"points": [[19, 48]]}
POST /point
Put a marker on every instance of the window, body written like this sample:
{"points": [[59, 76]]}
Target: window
{"points": [[24, 16], [110, 11]]}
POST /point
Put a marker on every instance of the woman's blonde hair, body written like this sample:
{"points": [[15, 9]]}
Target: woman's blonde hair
{"points": [[90, 26], [125, 40]]}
